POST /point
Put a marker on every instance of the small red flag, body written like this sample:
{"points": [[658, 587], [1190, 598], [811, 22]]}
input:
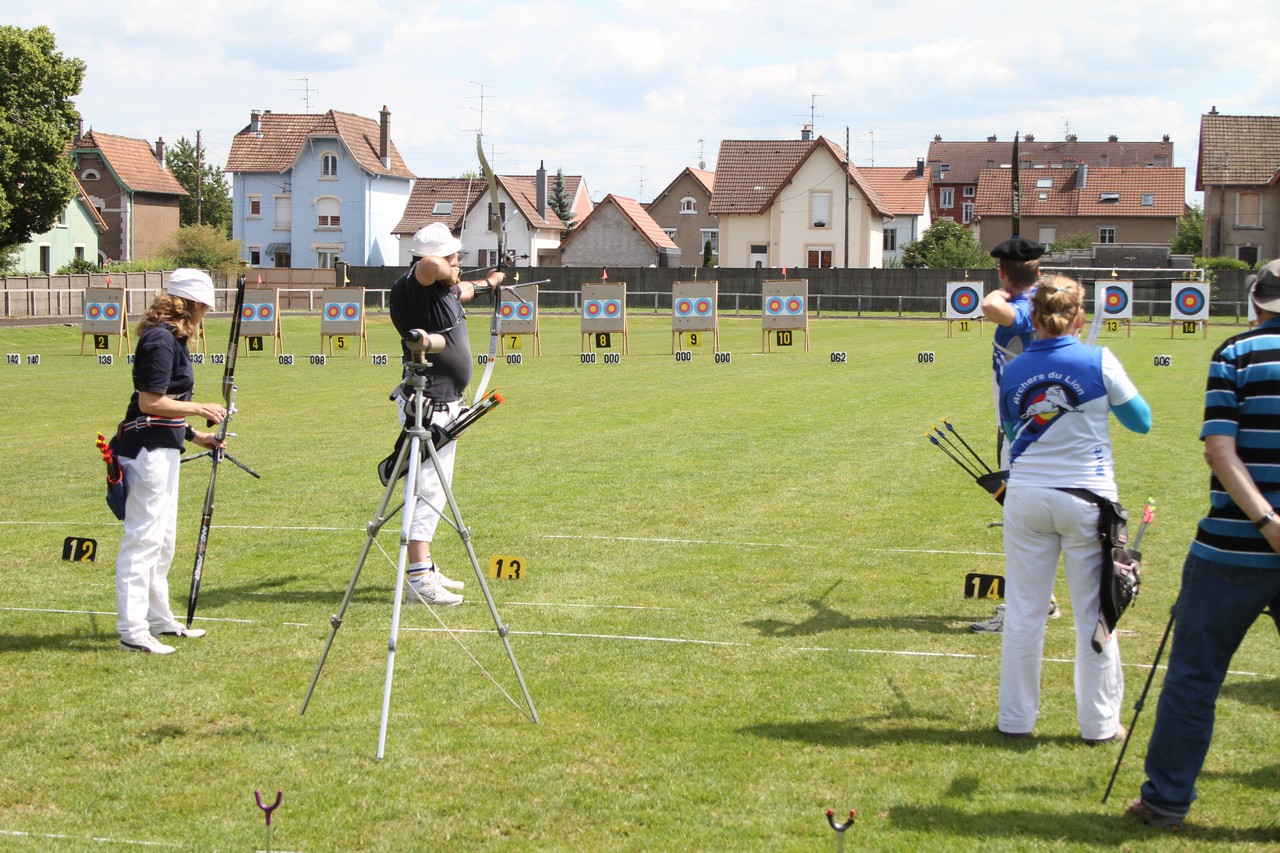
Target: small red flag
{"points": [[604, 274], [784, 272], [108, 280]]}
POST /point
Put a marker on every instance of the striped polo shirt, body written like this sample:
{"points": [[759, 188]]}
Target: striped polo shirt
{"points": [[1242, 399]]}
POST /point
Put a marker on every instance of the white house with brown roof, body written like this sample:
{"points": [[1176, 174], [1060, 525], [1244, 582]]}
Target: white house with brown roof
{"points": [[905, 191], [308, 190], [73, 236], [619, 232], [135, 194], [1134, 205], [955, 166], [1239, 173], [683, 210], [783, 203]]}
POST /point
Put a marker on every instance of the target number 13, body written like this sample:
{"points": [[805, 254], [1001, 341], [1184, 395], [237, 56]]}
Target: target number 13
{"points": [[505, 567]]}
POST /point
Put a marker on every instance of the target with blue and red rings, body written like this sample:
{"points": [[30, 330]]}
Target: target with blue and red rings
{"points": [[1117, 300], [1189, 301], [93, 311], [784, 306], [597, 309], [964, 300], [103, 312]]}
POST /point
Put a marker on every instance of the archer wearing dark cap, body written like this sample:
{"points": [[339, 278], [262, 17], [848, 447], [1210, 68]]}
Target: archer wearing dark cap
{"points": [[1018, 249], [1232, 570]]}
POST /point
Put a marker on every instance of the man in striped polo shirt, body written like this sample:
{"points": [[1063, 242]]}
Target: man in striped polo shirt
{"points": [[1232, 572]]}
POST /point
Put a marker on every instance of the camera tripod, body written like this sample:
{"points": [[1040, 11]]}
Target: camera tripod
{"points": [[408, 463]]}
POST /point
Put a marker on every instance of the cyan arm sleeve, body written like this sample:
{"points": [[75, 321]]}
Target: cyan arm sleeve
{"points": [[1134, 414]]}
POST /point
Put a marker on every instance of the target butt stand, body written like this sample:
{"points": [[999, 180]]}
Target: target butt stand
{"points": [[408, 463]]}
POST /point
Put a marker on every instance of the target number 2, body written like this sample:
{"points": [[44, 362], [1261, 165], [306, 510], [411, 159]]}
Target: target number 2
{"points": [[504, 567]]}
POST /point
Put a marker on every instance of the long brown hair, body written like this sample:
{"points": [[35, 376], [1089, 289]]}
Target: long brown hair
{"points": [[174, 310], [1057, 302]]}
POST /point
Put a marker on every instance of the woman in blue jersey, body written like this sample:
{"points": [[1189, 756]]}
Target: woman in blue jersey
{"points": [[1055, 400]]}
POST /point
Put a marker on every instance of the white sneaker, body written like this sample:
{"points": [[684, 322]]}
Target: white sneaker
{"points": [[428, 588], [447, 583], [1055, 612], [184, 631], [147, 643], [993, 625]]}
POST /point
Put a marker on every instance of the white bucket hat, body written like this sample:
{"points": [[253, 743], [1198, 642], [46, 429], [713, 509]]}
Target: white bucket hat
{"points": [[435, 240], [191, 284]]}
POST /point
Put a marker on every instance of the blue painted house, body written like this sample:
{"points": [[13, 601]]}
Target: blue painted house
{"points": [[309, 190]]}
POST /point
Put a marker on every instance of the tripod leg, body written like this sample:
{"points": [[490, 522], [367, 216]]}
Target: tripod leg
{"points": [[374, 526], [465, 535]]}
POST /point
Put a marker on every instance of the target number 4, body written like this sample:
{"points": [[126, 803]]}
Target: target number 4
{"points": [[505, 567]]}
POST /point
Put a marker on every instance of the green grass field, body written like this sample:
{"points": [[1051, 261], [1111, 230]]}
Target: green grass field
{"points": [[743, 605]]}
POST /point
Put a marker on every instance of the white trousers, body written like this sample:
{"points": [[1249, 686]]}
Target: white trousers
{"points": [[1040, 523], [431, 501], [146, 549]]}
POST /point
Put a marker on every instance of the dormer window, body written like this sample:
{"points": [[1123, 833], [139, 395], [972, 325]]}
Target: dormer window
{"points": [[1108, 198], [1044, 183], [1148, 199], [442, 208], [90, 175], [688, 204], [328, 165]]}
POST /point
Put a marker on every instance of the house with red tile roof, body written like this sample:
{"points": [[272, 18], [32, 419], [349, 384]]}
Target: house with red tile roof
{"points": [[532, 228], [954, 167], [905, 191], [683, 210], [619, 232], [782, 203], [134, 193], [1239, 173], [1129, 205], [309, 189], [73, 236]]}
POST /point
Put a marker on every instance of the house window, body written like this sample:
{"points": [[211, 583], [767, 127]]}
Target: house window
{"points": [[255, 207], [711, 235], [1248, 254], [284, 260], [325, 259], [1048, 235], [255, 256], [62, 219], [820, 210], [79, 253], [966, 215], [1108, 198], [1249, 209], [327, 213], [820, 257], [947, 197], [1044, 183], [284, 212], [89, 175], [1148, 199], [329, 165], [442, 208], [970, 191], [670, 232], [688, 204], [46, 259], [891, 239], [1106, 235]]}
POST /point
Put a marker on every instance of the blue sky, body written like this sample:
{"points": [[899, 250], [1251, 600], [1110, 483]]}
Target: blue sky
{"points": [[629, 93]]}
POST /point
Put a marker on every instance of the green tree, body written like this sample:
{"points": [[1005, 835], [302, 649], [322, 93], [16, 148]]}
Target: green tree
{"points": [[215, 193], [946, 244], [1078, 240], [204, 247], [1188, 234], [708, 259], [37, 121], [558, 201]]}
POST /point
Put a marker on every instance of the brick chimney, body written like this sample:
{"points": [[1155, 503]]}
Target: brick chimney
{"points": [[919, 167], [384, 137], [255, 121], [541, 182], [160, 151]]}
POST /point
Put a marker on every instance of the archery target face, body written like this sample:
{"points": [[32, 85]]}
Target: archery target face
{"points": [[604, 307], [693, 306], [964, 300], [785, 304], [1189, 302], [258, 317], [343, 312], [516, 317], [104, 311], [1117, 300]]}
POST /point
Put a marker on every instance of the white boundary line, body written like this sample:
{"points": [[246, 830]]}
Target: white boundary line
{"points": [[638, 638], [13, 833], [662, 541]]}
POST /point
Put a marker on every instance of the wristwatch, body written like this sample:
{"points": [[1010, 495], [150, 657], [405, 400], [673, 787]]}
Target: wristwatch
{"points": [[1266, 519]]}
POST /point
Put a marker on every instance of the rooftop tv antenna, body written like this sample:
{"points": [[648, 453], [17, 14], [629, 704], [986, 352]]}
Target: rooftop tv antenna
{"points": [[813, 107], [306, 91]]}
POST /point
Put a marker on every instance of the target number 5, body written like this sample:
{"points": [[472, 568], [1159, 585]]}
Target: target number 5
{"points": [[505, 567]]}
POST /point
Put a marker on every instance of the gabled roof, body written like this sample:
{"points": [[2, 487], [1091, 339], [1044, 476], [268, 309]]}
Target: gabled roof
{"points": [[904, 192], [705, 179], [132, 161], [280, 137], [635, 213], [461, 194], [751, 173], [961, 162], [1106, 192], [1238, 150], [83, 198], [523, 190]]}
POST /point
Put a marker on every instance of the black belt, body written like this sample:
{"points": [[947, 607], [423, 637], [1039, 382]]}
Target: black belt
{"points": [[147, 421]]}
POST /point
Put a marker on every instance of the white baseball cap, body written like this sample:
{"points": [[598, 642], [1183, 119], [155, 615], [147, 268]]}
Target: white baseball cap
{"points": [[436, 240], [191, 284]]}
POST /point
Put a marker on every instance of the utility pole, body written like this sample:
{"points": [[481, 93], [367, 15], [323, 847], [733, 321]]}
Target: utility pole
{"points": [[199, 174], [846, 196]]}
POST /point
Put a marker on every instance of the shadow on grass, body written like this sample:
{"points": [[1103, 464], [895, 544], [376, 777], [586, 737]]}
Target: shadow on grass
{"points": [[101, 634], [1012, 826], [865, 732], [1265, 692], [280, 590]]}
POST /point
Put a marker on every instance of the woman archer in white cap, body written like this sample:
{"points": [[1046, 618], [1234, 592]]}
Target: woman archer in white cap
{"points": [[149, 445]]}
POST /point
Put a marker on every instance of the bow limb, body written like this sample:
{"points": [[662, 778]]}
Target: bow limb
{"points": [[497, 226]]}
